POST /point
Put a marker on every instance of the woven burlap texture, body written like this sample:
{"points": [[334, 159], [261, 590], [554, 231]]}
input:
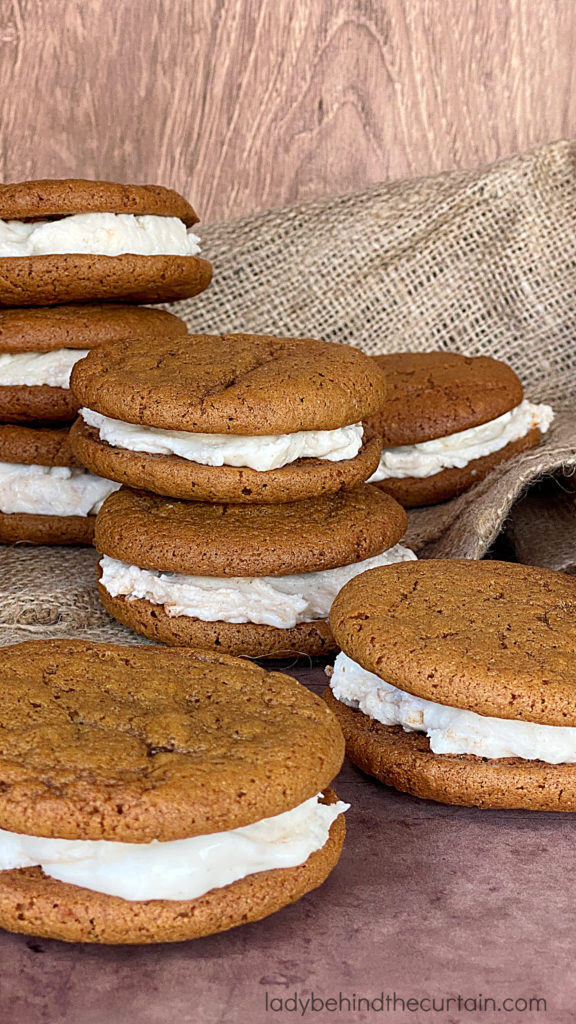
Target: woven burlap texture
{"points": [[479, 262]]}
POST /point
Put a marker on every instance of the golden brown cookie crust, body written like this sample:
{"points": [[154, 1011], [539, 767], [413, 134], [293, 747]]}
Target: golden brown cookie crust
{"points": [[434, 394], [48, 328], [246, 384], [137, 743], [490, 637], [64, 197], [203, 539], [24, 528], [22, 404], [81, 277], [413, 492], [172, 476], [36, 445], [35, 904], [404, 760], [246, 639]]}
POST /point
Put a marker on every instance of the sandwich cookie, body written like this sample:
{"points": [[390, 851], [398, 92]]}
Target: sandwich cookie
{"points": [[73, 240], [154, 795], [46, 496], [39, 347], [238, 417], [449, 419], [256, 580], [457, 679]]}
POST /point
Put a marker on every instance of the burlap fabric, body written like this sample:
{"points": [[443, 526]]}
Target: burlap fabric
{"points": [[479, 262]]}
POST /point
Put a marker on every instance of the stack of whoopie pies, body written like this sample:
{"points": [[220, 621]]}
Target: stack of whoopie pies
{"points": [[72, 254], [244, 508], [245, 496]]}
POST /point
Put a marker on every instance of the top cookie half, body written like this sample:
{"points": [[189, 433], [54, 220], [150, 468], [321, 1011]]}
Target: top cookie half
{"points": [[231, 384], [140, 743], [65, 197], [435, 394], [489, 637], [73, 240]]}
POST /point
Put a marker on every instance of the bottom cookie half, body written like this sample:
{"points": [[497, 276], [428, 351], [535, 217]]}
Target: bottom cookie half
{"points": [[35, 904], [21, 527], [413, 492], [404, 760], [239, 638]]}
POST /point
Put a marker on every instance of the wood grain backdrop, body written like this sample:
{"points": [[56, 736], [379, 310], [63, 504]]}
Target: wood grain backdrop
{"points": [[245, 104]]}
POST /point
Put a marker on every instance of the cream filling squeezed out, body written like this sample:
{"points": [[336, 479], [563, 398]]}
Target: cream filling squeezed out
{"points": [[51, 490], [281, 601], [182, 869], [450, 730], [456, 450], [98, 234], [260, 453], [33, 369]]}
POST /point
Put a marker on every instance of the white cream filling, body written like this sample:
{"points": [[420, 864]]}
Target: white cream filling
{"points": [[33, 369], [51, 490], [457, 450], [182, 869], [263, 453], [100, 234], [281, 601], [450, 730]]}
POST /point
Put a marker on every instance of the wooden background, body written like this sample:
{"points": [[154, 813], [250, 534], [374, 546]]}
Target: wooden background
{"points": [[246, 104]]}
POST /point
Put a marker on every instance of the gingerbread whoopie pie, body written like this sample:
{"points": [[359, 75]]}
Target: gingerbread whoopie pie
{"points": [[448, 420], [46, 496], [153, 795], [237, 417], [256, 580], [73, 240], [39, 347], [456, 681]]}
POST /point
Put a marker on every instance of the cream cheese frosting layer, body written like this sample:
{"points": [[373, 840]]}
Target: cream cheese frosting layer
{"points": [[51, 490], [182, 869], [98, 234], [33, 369], [281, 601], [450, 730], [262, 453], [456, 450]]}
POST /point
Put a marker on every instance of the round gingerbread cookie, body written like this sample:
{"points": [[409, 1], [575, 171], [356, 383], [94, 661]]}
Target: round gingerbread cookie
{"points": [[80, 263], [48, 328], [37, 350], [29, 528], [136, 530], [172, 476], [243, 639], [36, 446], [150, 745], [248, 386]]}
